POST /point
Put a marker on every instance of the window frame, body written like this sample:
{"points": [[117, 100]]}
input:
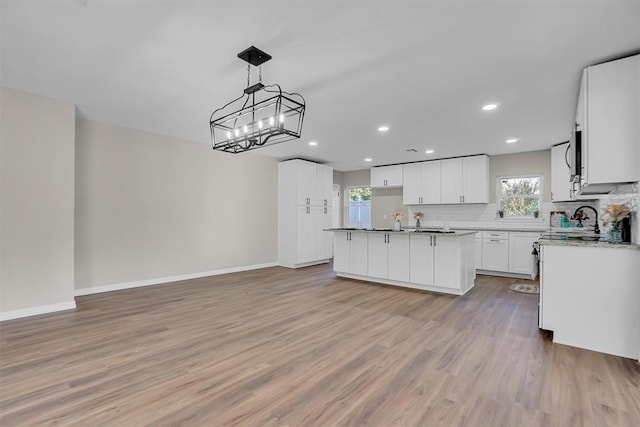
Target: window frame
{"points": [[499, 197], [346, 216]]}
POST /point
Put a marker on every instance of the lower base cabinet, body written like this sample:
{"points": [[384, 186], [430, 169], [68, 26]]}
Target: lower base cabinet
{"points": [[423, 261], [389, 256], [350, 252]]}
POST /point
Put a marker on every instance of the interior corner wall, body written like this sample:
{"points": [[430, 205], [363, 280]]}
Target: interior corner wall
{"points": [[526, 163], [36, 203], [150, 206]]}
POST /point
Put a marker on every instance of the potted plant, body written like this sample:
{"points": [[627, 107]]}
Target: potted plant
{"points": [[501, 214], [397, 216], [613, 214], [418, 216]]}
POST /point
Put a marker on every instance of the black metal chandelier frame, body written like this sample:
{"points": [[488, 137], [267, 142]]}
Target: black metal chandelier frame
{"points": [[261, 116]]}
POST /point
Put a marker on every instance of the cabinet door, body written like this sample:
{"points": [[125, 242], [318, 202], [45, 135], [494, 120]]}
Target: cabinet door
{"points": [[451, 181], [412, 184], [324, 239], [495, 254], [341, 252], [358, 253], [378, 255], [306, 182], [398, 257], [520, 247], [378, 177], [430, 183], [478, 251], [394, 176], [560, 174], [324, 186], [306, 234], [447, 270], [421, 260], [475, 179], [612, 110]]}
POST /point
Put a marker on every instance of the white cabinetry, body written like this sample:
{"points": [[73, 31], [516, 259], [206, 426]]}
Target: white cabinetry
{"points": [[435, 261], [350, 252], [465, 180], [304, 210], [495, 251], [389, 256], [609, 122], [520, 247], [421, 183], [588, 305], [386, 176], [560, 173], [479, 250]]}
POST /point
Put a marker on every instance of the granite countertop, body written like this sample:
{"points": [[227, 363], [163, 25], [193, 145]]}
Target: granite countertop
{"points": [[427, 231], [587, 243]]}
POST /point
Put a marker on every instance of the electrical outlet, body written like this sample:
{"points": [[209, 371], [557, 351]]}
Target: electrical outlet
{"points": [[384, 216]]}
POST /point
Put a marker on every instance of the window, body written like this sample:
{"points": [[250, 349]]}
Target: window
{"points": [[359, 207], [519, 196]]}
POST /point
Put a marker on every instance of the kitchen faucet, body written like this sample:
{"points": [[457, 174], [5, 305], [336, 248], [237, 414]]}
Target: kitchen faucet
{"points": [[580, 215]]}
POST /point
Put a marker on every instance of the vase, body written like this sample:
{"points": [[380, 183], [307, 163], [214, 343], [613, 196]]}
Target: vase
{"points": [[417, 222], [397, 226], [615, 233]]}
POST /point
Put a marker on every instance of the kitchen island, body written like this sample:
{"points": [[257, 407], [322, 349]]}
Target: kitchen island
{"points": [[590, 295], [431, 260]]}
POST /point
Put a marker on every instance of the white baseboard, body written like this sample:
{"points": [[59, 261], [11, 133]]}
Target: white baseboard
{"points": [[161, 280], [34, 311]]}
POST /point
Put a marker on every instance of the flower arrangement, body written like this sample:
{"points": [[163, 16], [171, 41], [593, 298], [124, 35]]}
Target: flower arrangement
{"points": [[418, 215], [615, 213], [397, 215]]}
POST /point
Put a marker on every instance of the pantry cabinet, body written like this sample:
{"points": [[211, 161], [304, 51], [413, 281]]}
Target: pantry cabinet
{"points": [[304, 211], [386, 176]]}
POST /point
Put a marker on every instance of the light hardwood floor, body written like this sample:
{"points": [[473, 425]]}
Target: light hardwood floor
{"points": [[301, 348]]}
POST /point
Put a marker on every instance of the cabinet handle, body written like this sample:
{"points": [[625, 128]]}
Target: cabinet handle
{"points": [[463, 198], [497, 241], [435, 240], [430, 240]]}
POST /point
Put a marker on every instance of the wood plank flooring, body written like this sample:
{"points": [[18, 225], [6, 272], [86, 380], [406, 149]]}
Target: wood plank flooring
{"points": [[281, 347]]}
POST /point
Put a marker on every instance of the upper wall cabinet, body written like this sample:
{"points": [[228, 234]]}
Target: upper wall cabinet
{"points": [[609, 117], [465, 180], [421, 183], [386, 176]]}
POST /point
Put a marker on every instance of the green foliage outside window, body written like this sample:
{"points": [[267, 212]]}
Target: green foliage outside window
{"points": [[519, 196], [359, 193]]}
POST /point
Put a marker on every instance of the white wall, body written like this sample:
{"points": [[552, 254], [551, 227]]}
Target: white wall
{"points": [[150, 206], [36, 204]]}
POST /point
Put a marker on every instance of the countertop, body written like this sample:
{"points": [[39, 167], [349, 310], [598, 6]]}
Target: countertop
{"points": [[427, 231], [587, 243]]}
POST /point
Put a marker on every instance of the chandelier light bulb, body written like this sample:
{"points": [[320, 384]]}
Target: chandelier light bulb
{"points": [[228, 135], [281, 118], [272, 121], [260, 124], [245, 129], [236, 132]]}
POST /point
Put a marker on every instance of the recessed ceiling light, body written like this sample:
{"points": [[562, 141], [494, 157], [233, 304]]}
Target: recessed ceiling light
{"points": [[490, 107], [368, 159], [313, 143], [430, 151], [511, 140], [383, 128]]}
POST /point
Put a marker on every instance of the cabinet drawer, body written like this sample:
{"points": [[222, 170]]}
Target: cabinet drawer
{"points": [[496, 235]]}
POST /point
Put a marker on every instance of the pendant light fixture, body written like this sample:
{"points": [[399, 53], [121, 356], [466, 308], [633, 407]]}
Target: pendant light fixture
{"points": [[262, 116]]}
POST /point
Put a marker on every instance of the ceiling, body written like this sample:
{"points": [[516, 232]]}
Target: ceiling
{"points": [[424, 68]]}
